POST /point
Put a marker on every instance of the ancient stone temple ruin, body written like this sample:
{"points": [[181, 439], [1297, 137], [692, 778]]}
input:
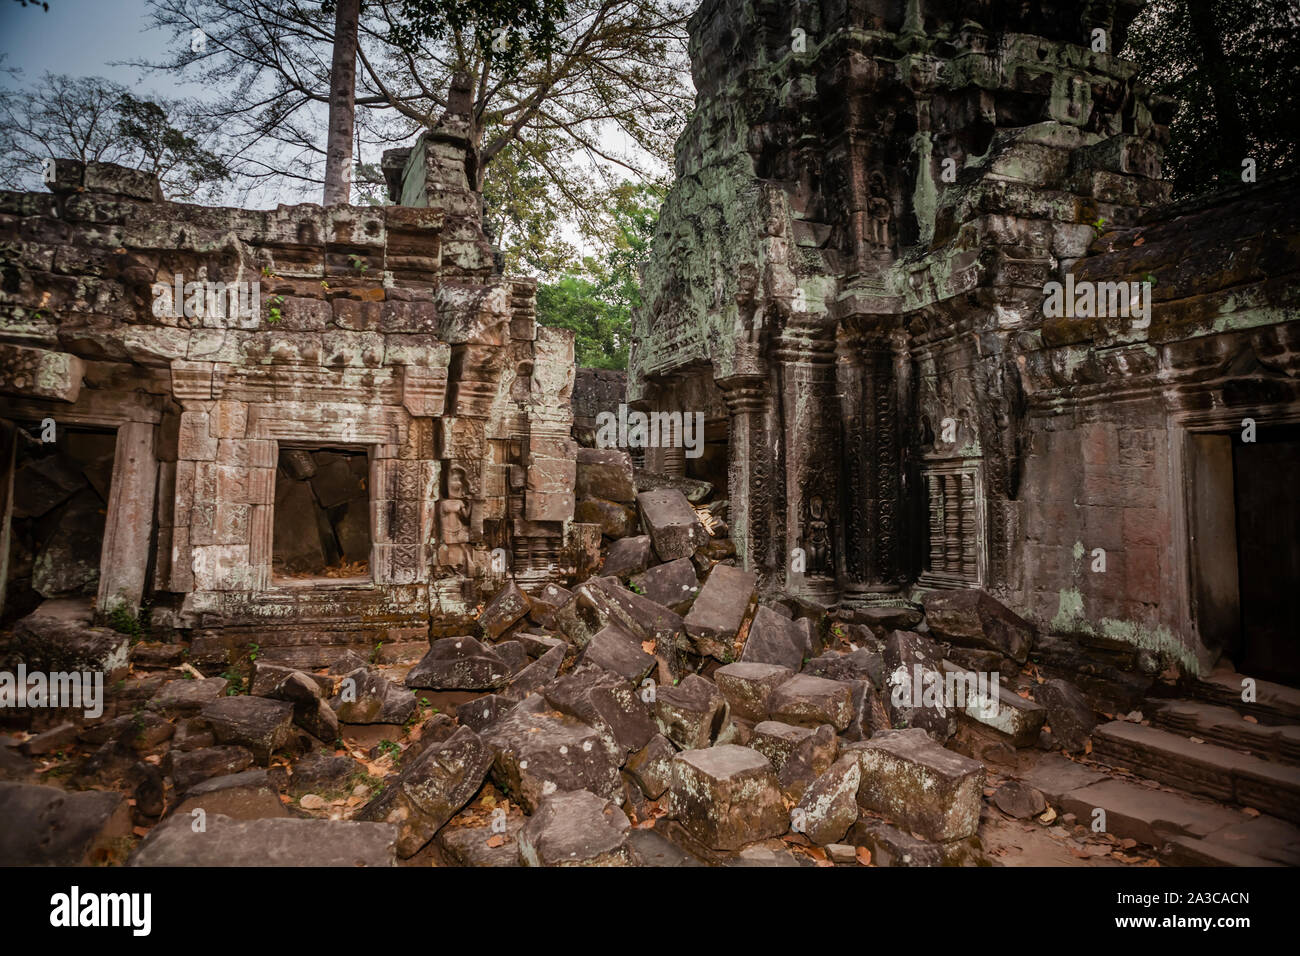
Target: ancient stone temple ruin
{"points": [[308, 428], [851, 279]]}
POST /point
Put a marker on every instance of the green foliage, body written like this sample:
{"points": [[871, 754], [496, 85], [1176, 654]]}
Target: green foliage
{"points": [[122, 620], [1234, 67], [598, 304]]}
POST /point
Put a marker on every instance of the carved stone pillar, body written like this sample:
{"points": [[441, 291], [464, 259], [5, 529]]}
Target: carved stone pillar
{"points": [[750, 467], [813, 522], [869, 386]]}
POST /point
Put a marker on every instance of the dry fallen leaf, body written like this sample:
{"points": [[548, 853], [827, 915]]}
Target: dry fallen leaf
{"points": [[1138, 241], [1048, 816], [1248, 717], [1250, 811], [496, 840], [863, 855], [648, 646]]}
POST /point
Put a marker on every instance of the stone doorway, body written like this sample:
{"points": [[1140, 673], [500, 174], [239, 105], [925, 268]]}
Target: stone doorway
{"points": [[322, 532], [1244, 520], [1268, 560], [58, 513]]}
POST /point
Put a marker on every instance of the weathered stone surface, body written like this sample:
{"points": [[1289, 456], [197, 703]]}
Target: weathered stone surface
{"points": [[575, 828], [616, 651], [431, 790], [365, 696], [283, 842], [185, 698], [673, 585], [720, 610], [58, 638], [675, 530], [774, 639], [545, 602], [913, 694], [1004, 711], [263, 726], [973, 618], [776, 741], [540, 751], [1069, 714], [1019, 800], [242, 796], [615, 520], [861, 664], [459, 663], [808, 759], [509, 606], [606, 702], [919, 785], [188, 768], [726, 796], [830, 804], [45, 826], [537, 674], [747, 687], [319, 773], [891, 847], [652, 767], [628, 556], [812, 701], [605, 473], [479, 713], [883, 619], [691, 714]]}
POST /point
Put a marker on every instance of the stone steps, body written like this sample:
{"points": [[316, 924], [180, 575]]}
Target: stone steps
{"points": [[1223, 725], [1206, 769], [1273, 703]]}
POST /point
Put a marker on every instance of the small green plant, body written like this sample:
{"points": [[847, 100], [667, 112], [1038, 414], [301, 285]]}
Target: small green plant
{"points": [[1097, 226], [374, 655], [636, 587], [1150, 278], [252, 652], [358, 263], [122, 620], [389, 749], [236, 680], [273, 313]]}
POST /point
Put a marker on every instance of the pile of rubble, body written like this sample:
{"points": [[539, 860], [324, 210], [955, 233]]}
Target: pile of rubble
{"points": [[656, 714]]}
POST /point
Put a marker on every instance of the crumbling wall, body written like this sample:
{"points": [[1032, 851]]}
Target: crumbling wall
{"points": [[383, 330]]}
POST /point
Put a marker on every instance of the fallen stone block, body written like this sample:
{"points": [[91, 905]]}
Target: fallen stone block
{"points": [[1019, 800], [628, 557], [1069, 714], [673, 585], [536, 645], [691, 714], [545, 602], [913, 694], [776, 741], [916, 783], [634, 613], [675, 530], [996, 707], [829, 806], [576, 828], [883, 619], [891, 847], [747, 687], [774, 639], [652, 766], [195, 766], [606, 702], [540, 751], [861, 664], [974, 619], [242, 796], [431, 790], [365, 696], [185, 698], [459, 663], [263, 726], [616, 651], [537, 674], [59, 637], [614, 520], [508, 606], [471, 839], [809, 758], [319, 773], [605, 473], [480, 713], [726, 797], [45, 826], [809, 701], [271, 842], [719, 612]]}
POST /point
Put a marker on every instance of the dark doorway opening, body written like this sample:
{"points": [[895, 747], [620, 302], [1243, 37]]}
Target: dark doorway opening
{"points": [[60, 507], [322, 516], [1268, 552]]}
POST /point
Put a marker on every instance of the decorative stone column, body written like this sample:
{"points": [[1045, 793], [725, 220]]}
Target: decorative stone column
{"points": [[750, 470], [805, 360], [127, 533]]}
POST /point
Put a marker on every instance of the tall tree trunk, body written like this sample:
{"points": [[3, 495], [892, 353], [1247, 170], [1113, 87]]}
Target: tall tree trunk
{"points": [[1232, 145], [343, 106]]}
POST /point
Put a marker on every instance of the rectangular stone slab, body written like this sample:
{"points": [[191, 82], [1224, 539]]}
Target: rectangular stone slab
{"points": [[920, 785]]}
